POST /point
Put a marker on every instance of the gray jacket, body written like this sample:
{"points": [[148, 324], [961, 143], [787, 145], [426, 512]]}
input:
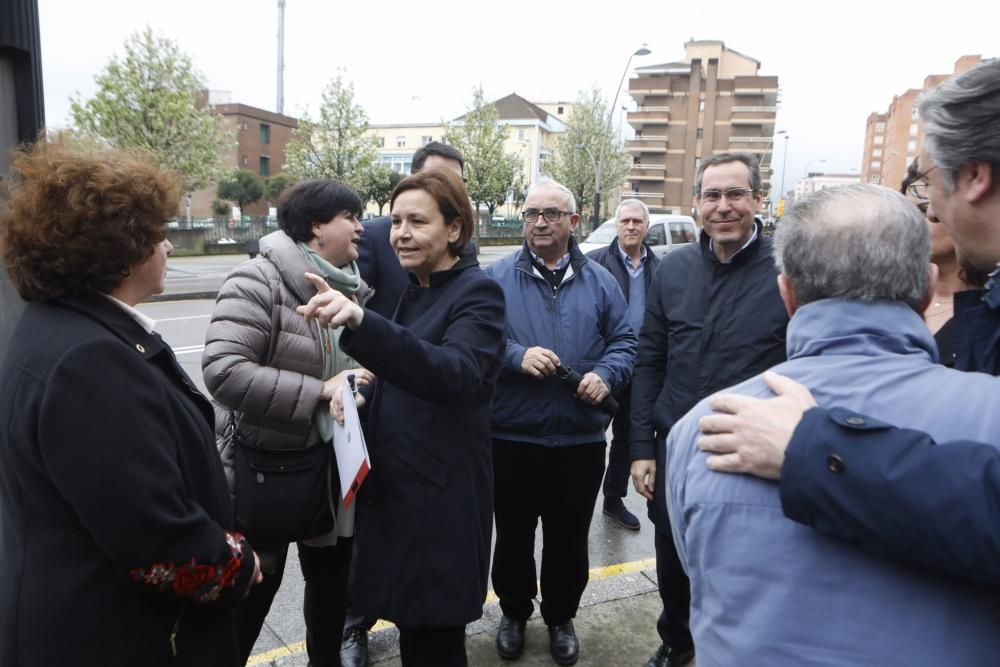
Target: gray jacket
{"points": [[262, 359]]}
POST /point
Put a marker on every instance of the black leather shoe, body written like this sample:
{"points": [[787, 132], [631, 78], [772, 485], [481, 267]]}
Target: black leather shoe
{"points": [[563, 644], [354, 647], [510, 639], [619, 513], [666, 656]]}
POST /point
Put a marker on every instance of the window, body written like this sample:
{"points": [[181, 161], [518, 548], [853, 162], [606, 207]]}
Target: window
{"points": [[913, 130], [520, 135], [701, 105], [873, 178], [245, 160], [560, 111], [242, 126], [400, 142], [879, 128], [697, 164], [265, 165], [381, 142], [911, 146], [876, 165], [876, 152], [700, 134], [265, 133], [426, 139], [681, 232], [915, 113], [879, 140], [656, 236]]}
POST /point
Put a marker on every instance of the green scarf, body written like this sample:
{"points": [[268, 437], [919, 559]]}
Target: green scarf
{"points": [[347, 281]]}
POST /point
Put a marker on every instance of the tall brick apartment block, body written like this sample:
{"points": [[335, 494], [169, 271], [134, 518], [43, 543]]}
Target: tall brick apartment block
{"points": [[711, 102], [894, 138]]}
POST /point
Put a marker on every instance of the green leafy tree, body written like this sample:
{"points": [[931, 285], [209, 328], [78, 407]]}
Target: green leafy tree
{"points": [[221, 209], [276, 184], [489, 172], [149, 100], [587, 126], [243, 187], [336, 145], [382, 180]]}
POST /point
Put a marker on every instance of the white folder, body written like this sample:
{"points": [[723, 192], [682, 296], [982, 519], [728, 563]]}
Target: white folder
{"points": [[349, 448]]}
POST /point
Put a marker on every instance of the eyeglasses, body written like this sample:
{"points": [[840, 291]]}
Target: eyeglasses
{"points": [[920, 188], [530, 215], [732, 195]]}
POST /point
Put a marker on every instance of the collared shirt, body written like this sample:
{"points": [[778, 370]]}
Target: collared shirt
{"points": [[144, 321], [553, 277], [634, 271], [762, 586], [753, 237]]}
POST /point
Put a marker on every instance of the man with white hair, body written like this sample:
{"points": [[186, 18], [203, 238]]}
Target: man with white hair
{"points": [[632, 262], [564, 313], [854, 263]]}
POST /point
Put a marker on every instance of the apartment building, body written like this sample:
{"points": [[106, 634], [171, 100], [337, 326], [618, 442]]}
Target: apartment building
{"points": [[713, 101], [531, 133], [894, 138], [816, 181], [261, 138]]}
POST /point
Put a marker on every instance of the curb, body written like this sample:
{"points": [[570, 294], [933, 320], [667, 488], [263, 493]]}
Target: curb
{"points": [[183, 296]]}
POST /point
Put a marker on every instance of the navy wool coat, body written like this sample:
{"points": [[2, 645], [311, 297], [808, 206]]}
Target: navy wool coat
{"points": [[425, 513], [116, 532]]}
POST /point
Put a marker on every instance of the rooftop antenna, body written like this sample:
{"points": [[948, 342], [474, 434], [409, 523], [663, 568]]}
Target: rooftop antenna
{"points": [[280, 106]]}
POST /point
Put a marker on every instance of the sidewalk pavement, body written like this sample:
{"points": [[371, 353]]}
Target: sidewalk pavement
{"points": [[616, 626]]}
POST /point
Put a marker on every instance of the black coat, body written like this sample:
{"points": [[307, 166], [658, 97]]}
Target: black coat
{"points": [[425, 512], [610, 258], [708, 326], [115, 514]]}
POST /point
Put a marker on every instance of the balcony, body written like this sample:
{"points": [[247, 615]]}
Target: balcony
{"points": [[754, 116], [647, 172], [648, 144], [650, 198], [749, 140], [648, 116], [640, 92]]}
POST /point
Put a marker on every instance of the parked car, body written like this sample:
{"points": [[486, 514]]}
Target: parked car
{"points": [[666, 232]]}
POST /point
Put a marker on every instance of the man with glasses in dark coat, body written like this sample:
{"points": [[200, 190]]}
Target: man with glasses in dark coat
{"points": [[713, 318]]}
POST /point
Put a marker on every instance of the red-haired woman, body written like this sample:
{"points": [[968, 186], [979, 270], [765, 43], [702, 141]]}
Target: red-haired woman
{"points": [[117, 535]]}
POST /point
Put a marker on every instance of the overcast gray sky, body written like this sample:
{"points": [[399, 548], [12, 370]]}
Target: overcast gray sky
{"points": [[418, 61]]}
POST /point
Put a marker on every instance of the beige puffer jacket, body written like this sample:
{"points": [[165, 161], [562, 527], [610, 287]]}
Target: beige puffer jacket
{"points": [[262, 359]]}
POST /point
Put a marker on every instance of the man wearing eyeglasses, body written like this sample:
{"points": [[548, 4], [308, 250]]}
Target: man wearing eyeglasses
{"points": [[893, 491], [713, 318], [564, 311]]}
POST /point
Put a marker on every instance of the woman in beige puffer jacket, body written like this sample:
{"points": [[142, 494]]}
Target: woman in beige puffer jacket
{"points": [[277, 372]]}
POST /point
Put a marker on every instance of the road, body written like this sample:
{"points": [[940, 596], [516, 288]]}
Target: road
{"points": [[183, 325]]}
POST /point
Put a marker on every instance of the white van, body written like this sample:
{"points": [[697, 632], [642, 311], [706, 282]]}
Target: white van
{"points": [[666, 233]]}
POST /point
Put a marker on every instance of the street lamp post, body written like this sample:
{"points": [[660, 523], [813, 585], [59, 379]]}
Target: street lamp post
{"points": [[599, 163], [784, 162]]}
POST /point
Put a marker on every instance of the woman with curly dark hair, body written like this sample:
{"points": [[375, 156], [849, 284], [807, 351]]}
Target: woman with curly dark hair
{"points": [[117, 536]]}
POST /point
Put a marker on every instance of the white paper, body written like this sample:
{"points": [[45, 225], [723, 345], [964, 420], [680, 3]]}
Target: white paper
{"points": [[349, 447]]}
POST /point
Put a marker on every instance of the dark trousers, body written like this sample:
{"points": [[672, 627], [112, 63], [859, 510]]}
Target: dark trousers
{"points": [[325, 572], [433, 647], [558, 485], [675, 593], [616, 477]]}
